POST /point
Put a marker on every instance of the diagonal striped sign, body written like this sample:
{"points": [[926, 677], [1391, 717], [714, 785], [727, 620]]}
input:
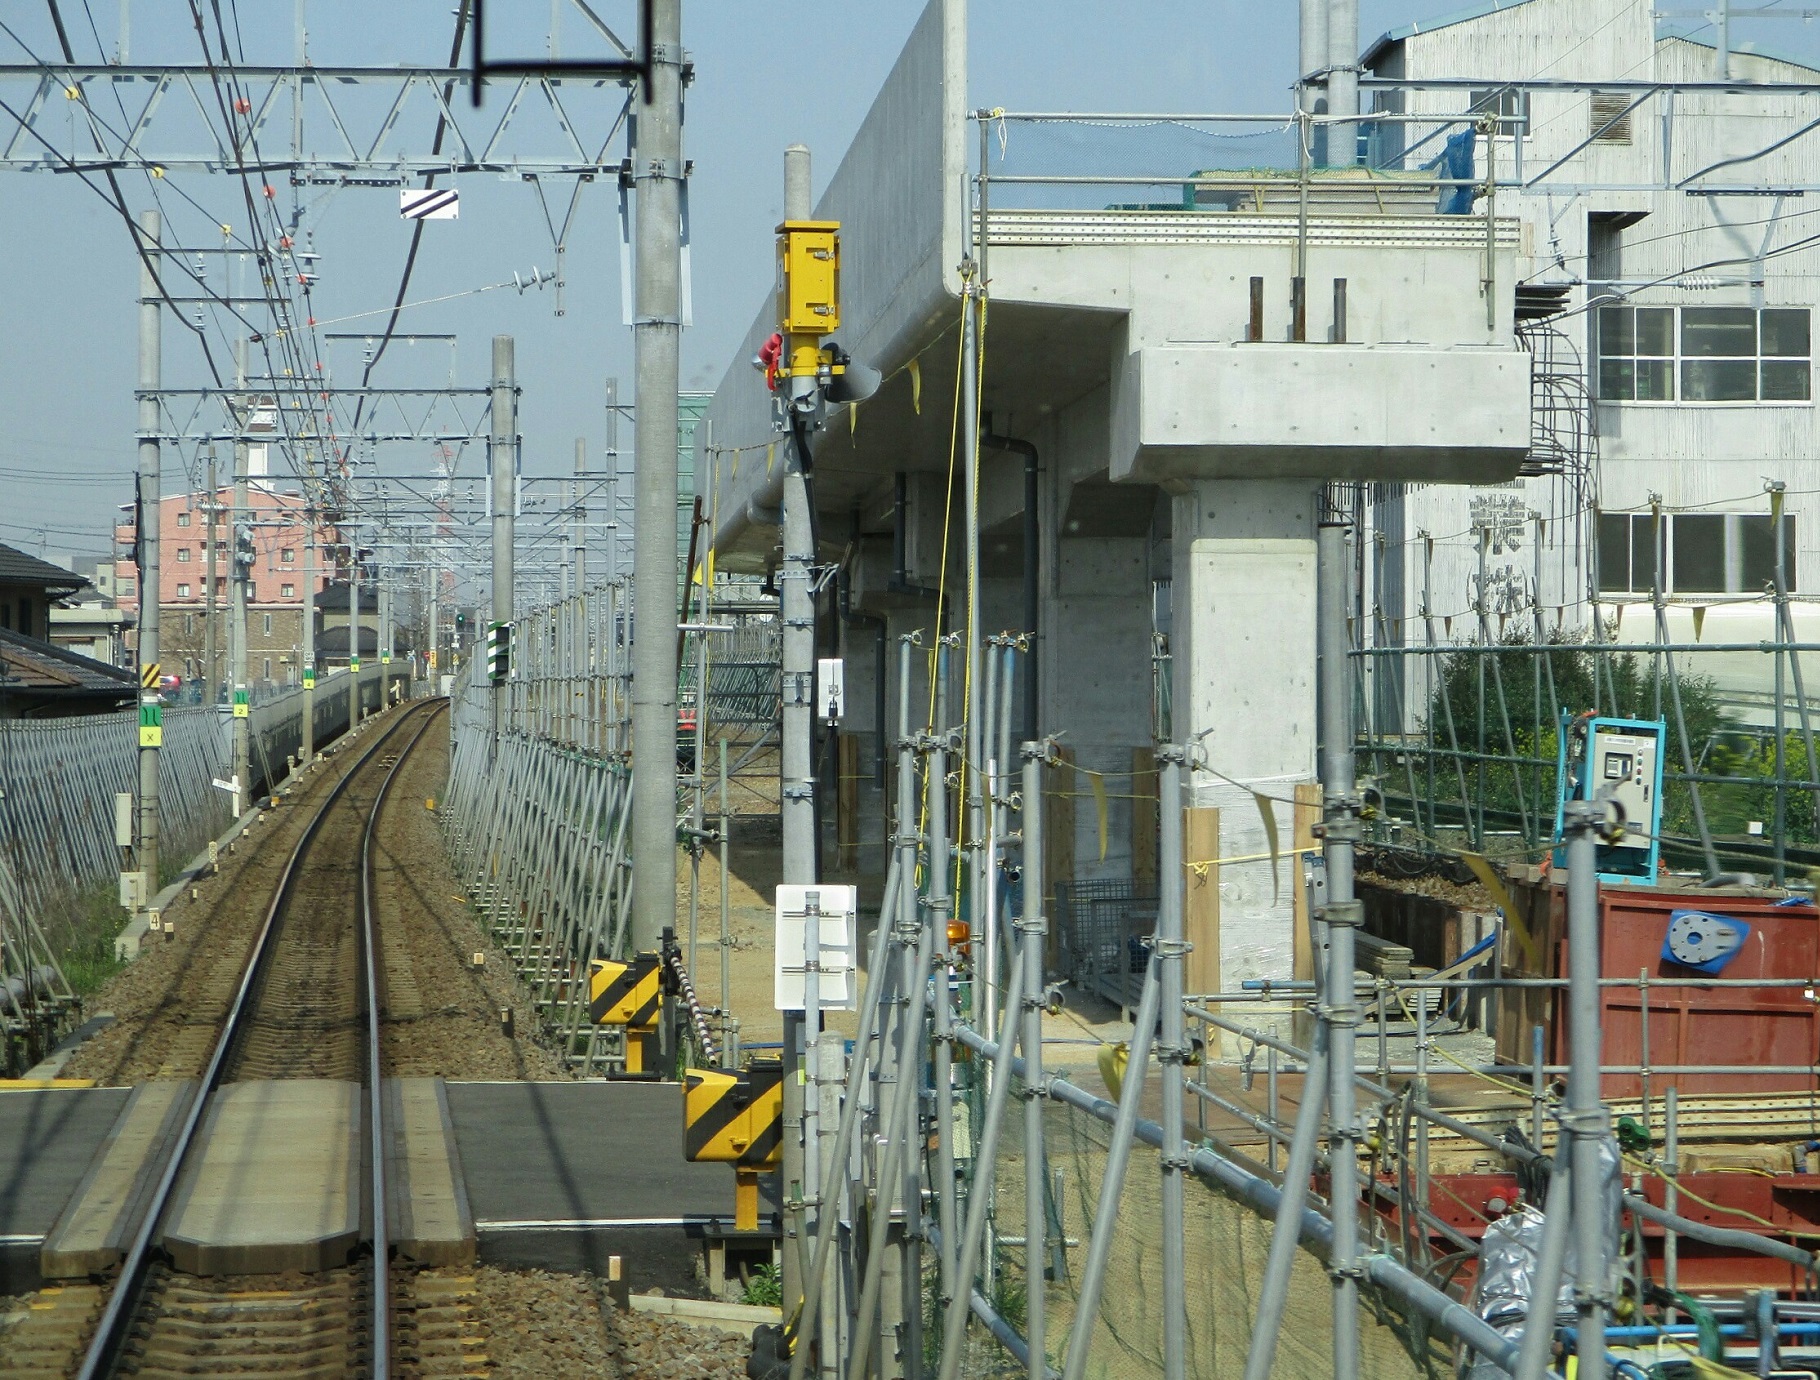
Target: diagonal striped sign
{"points": [[432, 203], [148, 674]]}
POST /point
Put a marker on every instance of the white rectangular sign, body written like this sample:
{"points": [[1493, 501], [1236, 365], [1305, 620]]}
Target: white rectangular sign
{"points": [[837, 960], [433, 203], [830, 689]]}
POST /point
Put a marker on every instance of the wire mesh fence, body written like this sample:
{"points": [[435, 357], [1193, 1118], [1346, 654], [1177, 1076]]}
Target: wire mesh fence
{"points": [[1226, 1244], [1462, 740], [536, 814]]}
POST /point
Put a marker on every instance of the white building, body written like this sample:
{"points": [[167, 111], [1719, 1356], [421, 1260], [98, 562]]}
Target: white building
{"points": [[1673, 231]]}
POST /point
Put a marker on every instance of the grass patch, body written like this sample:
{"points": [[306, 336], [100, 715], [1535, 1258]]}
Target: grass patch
{"points": [[764, 1288]]}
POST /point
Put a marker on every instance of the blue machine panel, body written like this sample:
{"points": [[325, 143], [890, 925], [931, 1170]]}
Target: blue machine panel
{"points": [[1619, 760]]}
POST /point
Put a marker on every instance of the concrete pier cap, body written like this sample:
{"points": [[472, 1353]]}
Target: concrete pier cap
{"points": [[1182, 439]]}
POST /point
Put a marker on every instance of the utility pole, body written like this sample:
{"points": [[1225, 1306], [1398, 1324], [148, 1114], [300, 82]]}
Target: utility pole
{"points": [[578, 608], [612, 479], [309, 632], [1313, 53], [384, 599], [354, 708], [243, 574], [578, 528], [433, 661], [657, 171], [151, 707], [502, 460], [1343, 81], [797, 607], [211, 669]]}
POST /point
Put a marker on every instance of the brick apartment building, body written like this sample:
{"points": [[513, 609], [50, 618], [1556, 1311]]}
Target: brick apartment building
{"points": [[275, 587]]}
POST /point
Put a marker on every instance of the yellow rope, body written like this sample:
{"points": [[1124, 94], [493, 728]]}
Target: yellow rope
{"points": [[1646, 1166]]}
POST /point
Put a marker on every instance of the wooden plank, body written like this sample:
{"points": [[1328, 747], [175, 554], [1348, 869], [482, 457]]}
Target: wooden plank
{"points": [[1307, 812], [1059, 785], [846, 821], [1201, 906], [1143, 819]]}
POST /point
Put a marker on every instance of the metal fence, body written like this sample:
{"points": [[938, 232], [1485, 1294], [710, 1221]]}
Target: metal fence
{"points": [[536, 814], [1461, 741], [59, 779]]}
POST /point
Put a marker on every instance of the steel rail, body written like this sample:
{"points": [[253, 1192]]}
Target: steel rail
{"points": [[115, 1325]]}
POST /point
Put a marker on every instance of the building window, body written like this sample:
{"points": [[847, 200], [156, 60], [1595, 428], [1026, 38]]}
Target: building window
{"points": [[183, 519], [189, 622], [25, 617], [288, 555], [183, 555], [266, 626], [268, 660], [183, 591], [288, 591], [1704, 354], [1511, 108], [1699, 553]]}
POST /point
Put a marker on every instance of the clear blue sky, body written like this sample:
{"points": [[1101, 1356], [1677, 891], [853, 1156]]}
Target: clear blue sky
{"points": [[68, 277]]}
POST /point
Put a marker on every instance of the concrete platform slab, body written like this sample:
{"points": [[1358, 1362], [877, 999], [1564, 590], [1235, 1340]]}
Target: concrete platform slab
{"points": [[48, 1139], [276, 1184], [566, 1175], [97, 1225], [428, 1215]]}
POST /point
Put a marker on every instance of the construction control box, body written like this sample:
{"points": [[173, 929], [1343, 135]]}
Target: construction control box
{"points": [[1617, 760]]}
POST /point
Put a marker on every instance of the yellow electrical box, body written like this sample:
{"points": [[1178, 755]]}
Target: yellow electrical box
{"points": [[629, 994], [808, 277], [736, 1119]]}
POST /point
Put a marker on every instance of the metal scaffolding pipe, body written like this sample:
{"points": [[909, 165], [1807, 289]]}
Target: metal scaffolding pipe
{"points": [[1408, 1289], [1112, 1182], [1584, 1118], [1035, 925], [1342, 914]]}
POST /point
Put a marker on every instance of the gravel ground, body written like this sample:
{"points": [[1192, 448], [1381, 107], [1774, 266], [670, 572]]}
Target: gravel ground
{"points": [[442, 1012], [161, 1028], [546, 1326]]}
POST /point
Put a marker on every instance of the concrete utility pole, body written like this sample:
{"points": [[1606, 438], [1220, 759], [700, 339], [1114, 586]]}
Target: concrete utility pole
{"points": [[433, 660], [797, 606], [151, 710], [309, 633], [578, 519], [502, 459], [242, 529], [613, 479], [657, 171], [384, 598], [1343, 81], [211, 670], [1313, 53]]}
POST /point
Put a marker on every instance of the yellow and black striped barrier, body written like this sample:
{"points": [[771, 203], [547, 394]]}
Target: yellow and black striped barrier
{"points": [[737, 1119], [629, 994]]}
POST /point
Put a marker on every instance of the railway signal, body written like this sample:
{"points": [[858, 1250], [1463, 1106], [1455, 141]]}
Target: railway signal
{"points": [[499, 652]]}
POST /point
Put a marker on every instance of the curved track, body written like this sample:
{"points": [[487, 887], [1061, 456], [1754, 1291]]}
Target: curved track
{"points": [[307, 1006]]}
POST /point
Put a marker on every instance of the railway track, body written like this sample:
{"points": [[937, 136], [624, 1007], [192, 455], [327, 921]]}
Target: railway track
{"points": [[307, 1006]]}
